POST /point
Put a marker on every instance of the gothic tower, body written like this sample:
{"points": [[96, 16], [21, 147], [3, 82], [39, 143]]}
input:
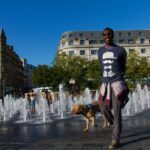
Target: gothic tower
{"points": [[2, 40], [3, 47]]}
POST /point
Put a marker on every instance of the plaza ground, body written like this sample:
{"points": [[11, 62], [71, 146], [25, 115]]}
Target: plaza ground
{"points": [[67, 134]]}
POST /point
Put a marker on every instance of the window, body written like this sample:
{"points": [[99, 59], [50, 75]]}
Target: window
{"points": [[91, 34], [101, 41], [93, 42], [101, 35], [64, 36], [70, 35], [81, 42], [121, 41], [63, 44], [81, 34], [70, 42], [129, 33], [71, 53], [130, 41], [131, 50], [143, 50], [142, 41], [82, 52], [140, 33], [93, 52], [120, 34]]}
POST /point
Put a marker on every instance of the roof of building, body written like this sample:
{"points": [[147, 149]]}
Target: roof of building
{"points": [[2, 33], [98, 34]]}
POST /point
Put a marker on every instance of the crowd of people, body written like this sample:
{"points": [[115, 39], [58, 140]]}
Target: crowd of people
{"points": [[31, 98]]}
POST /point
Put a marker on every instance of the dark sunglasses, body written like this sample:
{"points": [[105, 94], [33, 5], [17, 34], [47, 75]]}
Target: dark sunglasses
{"points": [[104, 34]]}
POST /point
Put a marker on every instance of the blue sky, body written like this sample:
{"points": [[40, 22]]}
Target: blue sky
{"points": [[34, 27]]}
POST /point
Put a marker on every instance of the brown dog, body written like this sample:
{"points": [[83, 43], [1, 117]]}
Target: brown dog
{"points": [[89, 111]]}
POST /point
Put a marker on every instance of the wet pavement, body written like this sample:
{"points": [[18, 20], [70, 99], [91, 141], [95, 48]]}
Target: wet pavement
{"points": [[67, 135]]}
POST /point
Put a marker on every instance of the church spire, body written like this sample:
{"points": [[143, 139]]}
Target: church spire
{"points": [[2, 40], [2, 33]]}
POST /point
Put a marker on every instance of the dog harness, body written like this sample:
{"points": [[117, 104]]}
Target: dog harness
{"points": [[87, 109]]}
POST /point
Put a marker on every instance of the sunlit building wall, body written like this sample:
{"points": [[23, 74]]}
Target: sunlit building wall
{"points": [[87, 43], [11, 68]]}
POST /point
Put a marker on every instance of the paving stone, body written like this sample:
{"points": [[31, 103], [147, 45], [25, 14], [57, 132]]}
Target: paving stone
{"points": [[67, 135]]}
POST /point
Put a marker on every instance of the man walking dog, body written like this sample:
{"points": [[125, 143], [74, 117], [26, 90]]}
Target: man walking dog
{"points": [[113, 91]]}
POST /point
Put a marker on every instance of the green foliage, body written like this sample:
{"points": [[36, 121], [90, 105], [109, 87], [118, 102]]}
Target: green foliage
{"points": [[64, 68], [85, 73], [93, 74], [40, 76], [131, 85], [137, 68]]}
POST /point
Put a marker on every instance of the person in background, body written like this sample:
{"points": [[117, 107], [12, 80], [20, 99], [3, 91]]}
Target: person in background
{"points": [[28, 100], [33, 99], [47, 95], [49, 98]]}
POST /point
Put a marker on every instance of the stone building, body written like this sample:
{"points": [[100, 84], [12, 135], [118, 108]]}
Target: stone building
{"points": [[86, 43], [28, 68], [11, 67]]}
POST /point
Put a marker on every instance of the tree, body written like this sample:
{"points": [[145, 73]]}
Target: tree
{"points": [[77, 70], [60, 69], [93, 74], [40, 75], [137, 68], [85, 73]]}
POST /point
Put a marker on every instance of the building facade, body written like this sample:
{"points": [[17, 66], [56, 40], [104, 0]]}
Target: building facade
{"points": [[87, 43], [11, 67], [28, 68]]}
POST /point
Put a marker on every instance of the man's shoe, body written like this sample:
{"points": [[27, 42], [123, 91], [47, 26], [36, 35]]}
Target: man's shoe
{"points": [[114, 144]]}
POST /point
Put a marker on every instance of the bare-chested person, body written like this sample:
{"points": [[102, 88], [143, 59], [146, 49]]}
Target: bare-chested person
{"points": [[47, 95], [49, 98], [33, 99], [27, 96]]}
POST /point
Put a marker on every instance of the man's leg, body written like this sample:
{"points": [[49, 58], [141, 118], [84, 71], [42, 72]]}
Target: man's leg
{"points": [[117, 122], [106, 112]]}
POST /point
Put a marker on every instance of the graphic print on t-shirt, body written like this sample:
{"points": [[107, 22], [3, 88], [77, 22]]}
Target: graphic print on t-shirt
{"points": [[108, 60]]}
